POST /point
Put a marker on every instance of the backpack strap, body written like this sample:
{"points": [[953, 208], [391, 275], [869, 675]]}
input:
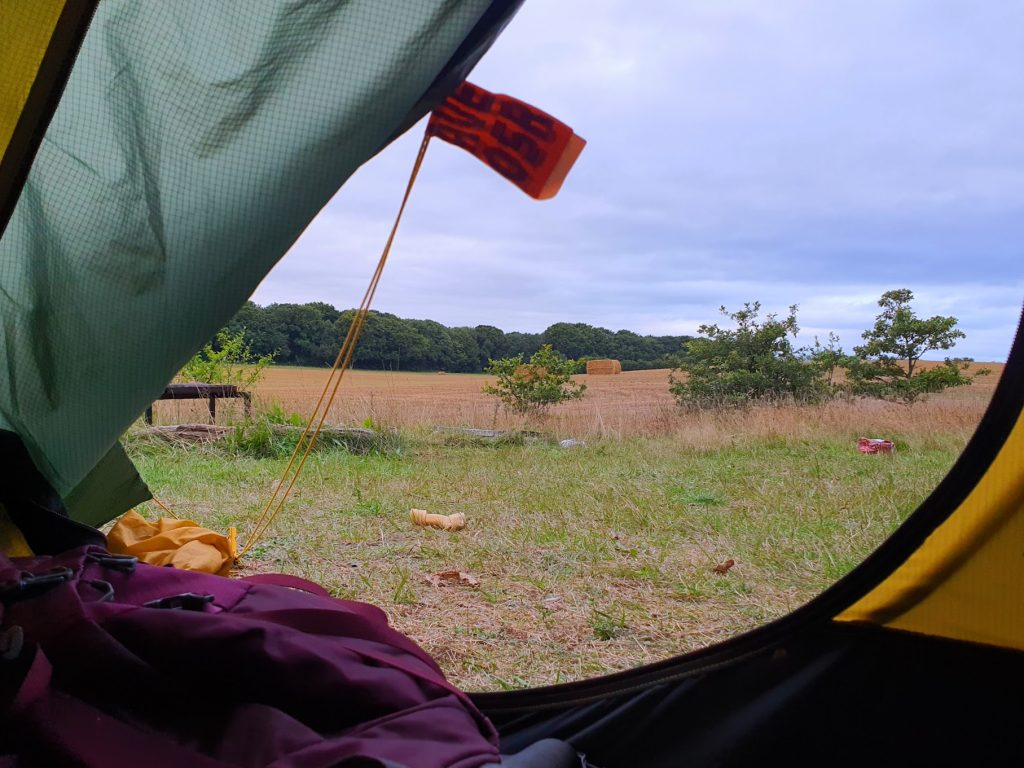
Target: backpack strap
{"points": [[284, 580], [33, 682]]}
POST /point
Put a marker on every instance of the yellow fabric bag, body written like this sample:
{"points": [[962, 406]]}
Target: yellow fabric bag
{"points": [[181, 543]]}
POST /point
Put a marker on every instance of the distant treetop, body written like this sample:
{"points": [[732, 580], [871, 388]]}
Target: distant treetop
{"points": [[310, 334]]}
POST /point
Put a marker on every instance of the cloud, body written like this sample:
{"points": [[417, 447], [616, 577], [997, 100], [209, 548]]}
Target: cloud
{"points": [[791, 152]]}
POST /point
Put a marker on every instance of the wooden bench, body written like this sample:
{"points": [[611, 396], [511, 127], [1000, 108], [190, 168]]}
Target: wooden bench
{"points": [[200, 391]]}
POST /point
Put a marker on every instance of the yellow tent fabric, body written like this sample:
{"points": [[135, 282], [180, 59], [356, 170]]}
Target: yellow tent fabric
{"points": [[12, 542], [181, 543], [967, 580], [38, 41], [25, 33]]}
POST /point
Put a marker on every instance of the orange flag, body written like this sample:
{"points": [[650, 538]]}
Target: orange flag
{"points": [[528, 147]]}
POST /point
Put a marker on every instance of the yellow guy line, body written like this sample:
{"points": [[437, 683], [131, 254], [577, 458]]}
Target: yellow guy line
{"points": [[341, 364], [163, 506]]}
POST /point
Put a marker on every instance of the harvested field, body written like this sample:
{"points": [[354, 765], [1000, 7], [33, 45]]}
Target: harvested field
{"points": [[631, 404]]}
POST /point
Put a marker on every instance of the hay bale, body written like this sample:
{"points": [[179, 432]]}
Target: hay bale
{"points": [[603, 367], [530, 373]]}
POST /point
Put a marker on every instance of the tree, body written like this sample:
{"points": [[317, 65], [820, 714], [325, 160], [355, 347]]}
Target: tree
{"points": [[439, 354], [490, 341], [465, 350], [828, 359], [386, 341], [532, 388], [262, 333], [756, 361], [516, 343], [887, 364], [227, 360], [312, 338], [576, 340]]}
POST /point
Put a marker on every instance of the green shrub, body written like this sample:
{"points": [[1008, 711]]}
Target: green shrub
{"points": [[532, 388], [274, 433], [226, 360], [753, 362]]}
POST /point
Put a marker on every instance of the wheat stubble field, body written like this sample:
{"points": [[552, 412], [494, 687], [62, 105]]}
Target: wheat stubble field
{"points": [[588, 559]]}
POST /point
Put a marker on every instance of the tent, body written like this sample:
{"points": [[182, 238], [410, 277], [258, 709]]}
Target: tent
{"points": [[156, 159]]}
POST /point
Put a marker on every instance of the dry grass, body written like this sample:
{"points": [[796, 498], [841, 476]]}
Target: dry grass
{"points": [[632, 404], [590, 559]]}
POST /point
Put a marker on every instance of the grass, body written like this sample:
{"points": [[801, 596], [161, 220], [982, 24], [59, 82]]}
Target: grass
{"points": [[590, 559]]}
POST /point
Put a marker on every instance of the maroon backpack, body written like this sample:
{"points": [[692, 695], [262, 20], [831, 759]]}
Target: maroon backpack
{"points": [[105, 662]]}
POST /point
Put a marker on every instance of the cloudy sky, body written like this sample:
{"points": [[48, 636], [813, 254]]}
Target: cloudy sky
{"points": [[793, 152]]}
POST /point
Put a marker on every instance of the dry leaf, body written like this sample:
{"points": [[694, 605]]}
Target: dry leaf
{"points": [[724, 567], [445, 578]]}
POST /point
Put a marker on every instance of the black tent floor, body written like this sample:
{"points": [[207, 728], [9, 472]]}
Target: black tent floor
{"points": [[834, 695]]}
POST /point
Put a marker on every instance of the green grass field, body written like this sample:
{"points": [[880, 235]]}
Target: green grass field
{"points": [[589, 559]]}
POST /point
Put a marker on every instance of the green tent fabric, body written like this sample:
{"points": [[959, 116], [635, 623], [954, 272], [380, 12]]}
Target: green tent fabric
{"points": [[193, 144]]}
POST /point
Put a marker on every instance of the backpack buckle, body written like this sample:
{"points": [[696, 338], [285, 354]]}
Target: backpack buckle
{"points": [[34, 584], [122, 563], [186, 601]]}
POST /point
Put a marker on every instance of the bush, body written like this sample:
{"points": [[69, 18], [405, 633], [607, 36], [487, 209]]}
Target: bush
{"points": [[754, 362], [532, 388], [226, 360], [274, 433]]}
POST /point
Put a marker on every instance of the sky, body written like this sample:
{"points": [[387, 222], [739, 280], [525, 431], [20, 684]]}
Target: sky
{"points": [[789, 152]]}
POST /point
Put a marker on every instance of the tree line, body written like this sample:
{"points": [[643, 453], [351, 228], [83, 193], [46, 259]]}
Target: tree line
{"points": [[310, 334]]}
